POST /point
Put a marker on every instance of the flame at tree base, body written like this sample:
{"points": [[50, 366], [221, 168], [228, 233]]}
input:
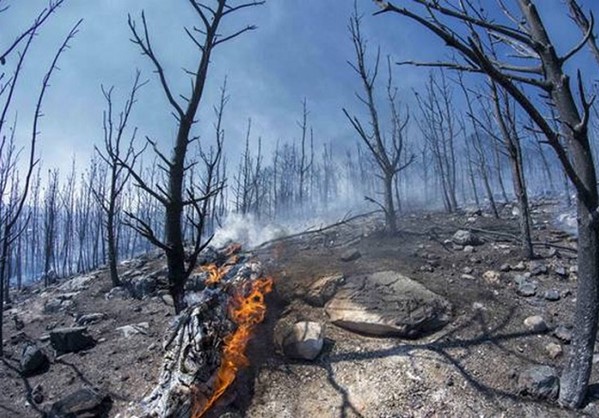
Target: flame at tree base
{"points": [[246, 312]]}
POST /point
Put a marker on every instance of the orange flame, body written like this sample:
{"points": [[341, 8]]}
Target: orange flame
{"points": [[246, 312], [215, 273]]}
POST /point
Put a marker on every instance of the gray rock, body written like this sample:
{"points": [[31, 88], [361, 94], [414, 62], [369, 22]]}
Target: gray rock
{"points": [[33, 360], [90, 318], [552, 295], [134, 329], [302, 341], [387, 304], [141, 286], [492, 277], [463, 237], [535, 323], [76, 284], [537, 268], [505, 268], [468, 249], [563, 333], [554, 350], [561, 271], [117, 292], [526, 288], [519, 267], [58, 304], [69, 340], [350, 255], [541, 382], [323, 289], [84, 403]]}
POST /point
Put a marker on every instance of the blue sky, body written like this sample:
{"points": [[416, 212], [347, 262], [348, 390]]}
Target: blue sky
{"points": [[299, 50]]}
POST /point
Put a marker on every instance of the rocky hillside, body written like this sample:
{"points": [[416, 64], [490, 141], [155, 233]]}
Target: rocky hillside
{"points": [[445, 319]]}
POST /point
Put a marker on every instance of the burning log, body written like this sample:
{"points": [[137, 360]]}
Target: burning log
{"points": [[206, 347]]}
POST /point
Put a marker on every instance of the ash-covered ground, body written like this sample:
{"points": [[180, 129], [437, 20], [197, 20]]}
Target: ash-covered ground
{"points": [[507, 317]]}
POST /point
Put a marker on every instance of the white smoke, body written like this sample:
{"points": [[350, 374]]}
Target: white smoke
{"points": [[247, 230]]}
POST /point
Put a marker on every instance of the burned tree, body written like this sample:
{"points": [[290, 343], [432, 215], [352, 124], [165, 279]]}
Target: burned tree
{"points": [[113, 152], [439, 128], [467, 29], [387, 152], [11, 224], [171, 195]]}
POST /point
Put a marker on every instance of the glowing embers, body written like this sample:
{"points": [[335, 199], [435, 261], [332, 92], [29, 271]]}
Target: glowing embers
{"points": [[246, 309]]}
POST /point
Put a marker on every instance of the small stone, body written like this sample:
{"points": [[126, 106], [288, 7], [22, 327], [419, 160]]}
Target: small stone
{"points": [[90, 318], [467, 270], [37, 394], [527, 289], [134, 329], [350, 255], [563, 333], [167, 300], [552, 295], [117, 293], [477, 306], [305, 342], [541, 382], [554, 350], [469, 249], [463, 237], [565, 293], [505, 268], [519, 267], [560, 271], [467, 277], [492, 277], [535, 324], [537, 268]]}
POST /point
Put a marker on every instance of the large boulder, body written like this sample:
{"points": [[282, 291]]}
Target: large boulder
{"points": [[350, 255], [141, 286], [463, 237], [323, 289], [76, 284], [33, 360], [387, 304], [70, 340], [84, 403]]}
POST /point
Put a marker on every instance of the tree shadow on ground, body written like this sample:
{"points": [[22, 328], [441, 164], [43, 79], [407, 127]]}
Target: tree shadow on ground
{"points": [[88, 383], [442, 347], [28, 390]]}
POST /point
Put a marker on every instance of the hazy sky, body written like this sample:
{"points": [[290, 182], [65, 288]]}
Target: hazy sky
{"points": [[299, 50]]}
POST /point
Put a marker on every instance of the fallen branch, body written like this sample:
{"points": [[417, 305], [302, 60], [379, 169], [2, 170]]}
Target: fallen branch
{"points": [[315, 231]]}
